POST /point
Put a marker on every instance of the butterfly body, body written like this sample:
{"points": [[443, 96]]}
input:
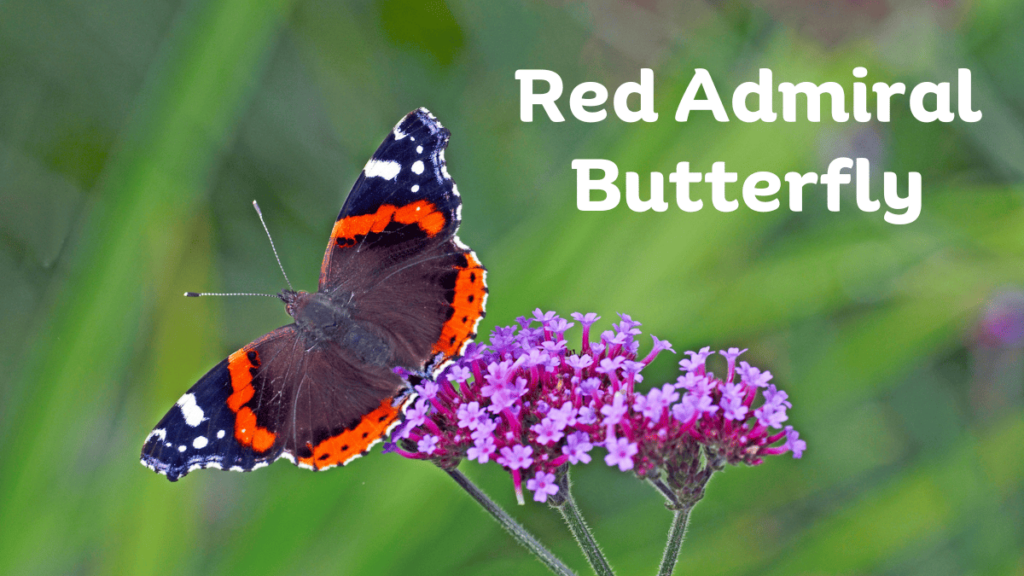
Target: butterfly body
{"points": [[323, 318], [397, 289]]}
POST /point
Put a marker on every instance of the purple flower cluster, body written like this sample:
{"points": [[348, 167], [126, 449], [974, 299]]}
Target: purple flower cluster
{"points": [[532, 405]]}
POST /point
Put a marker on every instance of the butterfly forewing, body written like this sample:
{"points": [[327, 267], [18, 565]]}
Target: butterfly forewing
{"points": [[205, 430]]}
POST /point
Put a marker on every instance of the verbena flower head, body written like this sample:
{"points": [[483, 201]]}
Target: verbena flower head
{"points": [[531, 403]]}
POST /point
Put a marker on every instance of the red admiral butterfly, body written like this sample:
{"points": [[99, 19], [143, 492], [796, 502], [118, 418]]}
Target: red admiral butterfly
{"points": [[397, 289]]}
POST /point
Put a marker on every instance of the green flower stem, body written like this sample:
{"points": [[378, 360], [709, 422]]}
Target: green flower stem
{"points": [[514, 528], [675, 541], [584, 537], [673, 500]]}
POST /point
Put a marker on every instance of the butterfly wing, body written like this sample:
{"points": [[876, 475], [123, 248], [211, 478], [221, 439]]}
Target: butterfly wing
{"points": [[274, 399], [395, 248]]}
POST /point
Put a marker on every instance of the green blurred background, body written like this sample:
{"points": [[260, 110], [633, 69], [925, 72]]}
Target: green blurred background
{"points": [[134, 135]]}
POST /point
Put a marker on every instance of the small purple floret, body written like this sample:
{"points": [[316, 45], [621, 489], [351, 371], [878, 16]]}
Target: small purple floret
{"points": [[516, 457], [577, 447], [428, 444], [620, 453], [794, 443], [542, 485]]}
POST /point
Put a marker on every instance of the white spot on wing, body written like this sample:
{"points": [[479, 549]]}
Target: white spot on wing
{"points": [[386, 169], [417, 167], [190, 410], [200, 442], [415, 188], [398, 133], [181, 448], [158, 433], [220, 434], [419, 149]]}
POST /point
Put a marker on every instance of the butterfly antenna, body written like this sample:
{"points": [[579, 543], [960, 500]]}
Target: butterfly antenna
{"points": [[198, 294], [257, 206]]}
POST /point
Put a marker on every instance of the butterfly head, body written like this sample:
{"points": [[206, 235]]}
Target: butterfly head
{"points": [[318, 316], [293, 300]]}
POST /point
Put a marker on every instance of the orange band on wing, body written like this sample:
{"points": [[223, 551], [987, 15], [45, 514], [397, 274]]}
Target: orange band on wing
{"points": [[421, 212], [242, 365], [467, 306], [249, 434], [337, 450]]}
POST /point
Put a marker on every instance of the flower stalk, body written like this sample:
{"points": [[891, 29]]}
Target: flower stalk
{"points": [[514, 528], [675, 540], [673, 501], [570, 511]]}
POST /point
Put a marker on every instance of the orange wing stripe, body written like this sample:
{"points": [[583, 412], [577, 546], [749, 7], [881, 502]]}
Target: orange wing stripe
{"points": [[468, 305], [337, 450], [421, 212], [240, 365]]}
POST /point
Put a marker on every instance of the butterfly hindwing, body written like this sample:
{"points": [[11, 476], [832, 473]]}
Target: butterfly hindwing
{"points": [[274, 399], [341, 405]]}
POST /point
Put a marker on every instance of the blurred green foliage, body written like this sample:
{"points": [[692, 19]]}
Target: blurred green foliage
{"points": [[134, 135]]}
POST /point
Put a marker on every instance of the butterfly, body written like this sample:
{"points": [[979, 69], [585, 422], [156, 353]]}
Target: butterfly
{"points": [[397, 290]]}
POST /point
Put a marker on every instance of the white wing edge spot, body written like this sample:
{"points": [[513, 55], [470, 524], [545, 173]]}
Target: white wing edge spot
{"points": [[444, 166], [431, 116], [292, 459], [157, 433], [390, 427], [202, 465]]}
